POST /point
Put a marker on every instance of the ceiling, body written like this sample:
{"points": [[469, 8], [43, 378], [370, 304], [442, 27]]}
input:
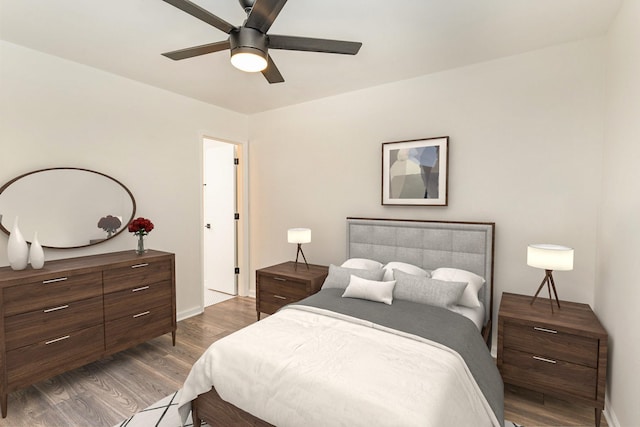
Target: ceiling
{"points": [[401, 39]]}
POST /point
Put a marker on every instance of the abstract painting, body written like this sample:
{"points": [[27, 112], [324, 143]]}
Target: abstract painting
{"points": [[414, 172]]}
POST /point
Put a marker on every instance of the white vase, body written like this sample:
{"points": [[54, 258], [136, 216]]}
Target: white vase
{"points": [[17, 248], [36, 253]]}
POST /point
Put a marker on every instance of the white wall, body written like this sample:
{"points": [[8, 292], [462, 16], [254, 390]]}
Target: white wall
{"points": [[525, 146], [58, 113], [617, 286]]}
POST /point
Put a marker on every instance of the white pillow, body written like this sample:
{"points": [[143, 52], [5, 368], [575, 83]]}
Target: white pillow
{"points": [[474, 283], [362, 263], [404, 267], [370, 290]]}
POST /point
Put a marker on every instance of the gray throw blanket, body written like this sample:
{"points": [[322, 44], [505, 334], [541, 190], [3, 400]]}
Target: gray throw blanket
{"points": [[430, 322]]}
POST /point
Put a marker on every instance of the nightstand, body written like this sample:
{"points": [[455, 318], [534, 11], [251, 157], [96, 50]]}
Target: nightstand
{"points": [[282, 284], [562, 354]]}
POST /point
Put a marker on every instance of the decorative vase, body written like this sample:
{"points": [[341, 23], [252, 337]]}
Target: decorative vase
{"points": [[140, 249], [17, 249], [36, 253]]}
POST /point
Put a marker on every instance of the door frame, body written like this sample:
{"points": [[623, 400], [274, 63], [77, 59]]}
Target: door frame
{"points": [[242, 195]]}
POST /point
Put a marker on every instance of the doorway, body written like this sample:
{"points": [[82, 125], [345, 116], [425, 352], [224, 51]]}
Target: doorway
{"points": [[220, 214]]}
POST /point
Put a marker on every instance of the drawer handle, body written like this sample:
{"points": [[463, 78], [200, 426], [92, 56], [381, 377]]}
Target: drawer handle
{"points": [[58, 339], [144, 313], [280, 297], [59, 279], [62, 307], [144, 264], [281, 279], [543, 359], [550, 331], [142, 288]]}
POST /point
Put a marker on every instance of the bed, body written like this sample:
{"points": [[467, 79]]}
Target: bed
{"points": [[331, 360]]}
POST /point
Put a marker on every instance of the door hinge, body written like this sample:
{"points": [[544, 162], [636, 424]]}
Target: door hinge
{"points": [[236, 215], [236, 270], [236, 161]]}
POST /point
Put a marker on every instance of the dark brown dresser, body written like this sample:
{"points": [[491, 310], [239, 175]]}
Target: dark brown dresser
{"points": [[562, 354], [78, 310], [282, 284]]}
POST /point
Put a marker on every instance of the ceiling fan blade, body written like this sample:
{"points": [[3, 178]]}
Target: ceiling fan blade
{"points": [[313, 45], [203, 15], [190, 52], [271, 73], [263, 13]]}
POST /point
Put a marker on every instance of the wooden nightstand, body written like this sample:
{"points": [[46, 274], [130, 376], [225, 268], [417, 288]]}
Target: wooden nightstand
{"points": [[281, 284], [563, 354]]}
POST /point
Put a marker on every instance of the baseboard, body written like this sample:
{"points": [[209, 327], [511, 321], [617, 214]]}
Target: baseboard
{"points": [[189, 313], [609, 415]]}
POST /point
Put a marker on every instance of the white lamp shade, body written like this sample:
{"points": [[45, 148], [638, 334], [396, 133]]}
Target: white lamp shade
{"points": [[299, 235], [550, 257]]}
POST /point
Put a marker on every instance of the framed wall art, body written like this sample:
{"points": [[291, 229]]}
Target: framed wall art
{"points": [[415, 172]]}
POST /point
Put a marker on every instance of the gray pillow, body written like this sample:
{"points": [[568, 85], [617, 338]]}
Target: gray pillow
{"points": [[426, 290], [339, 277]]}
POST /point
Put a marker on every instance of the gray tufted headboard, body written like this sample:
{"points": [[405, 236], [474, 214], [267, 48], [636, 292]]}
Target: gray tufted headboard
{"points": [[428, 244]]}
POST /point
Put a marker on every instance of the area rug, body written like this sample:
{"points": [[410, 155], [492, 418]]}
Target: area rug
{"points": [[164, 413]]}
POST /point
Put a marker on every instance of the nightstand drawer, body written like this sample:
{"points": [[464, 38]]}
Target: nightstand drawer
{"points": [[542, 373], [283, 287], [277, 299], [270, 307], [551, 343], [41, 325]]}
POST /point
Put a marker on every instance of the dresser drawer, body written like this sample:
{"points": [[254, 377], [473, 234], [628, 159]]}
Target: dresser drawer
{"points": [[136, 275], [540, 373], [552, 344], [54, 321], [275, 285], [131, 330], [136, 300], [51, 292], [41, 360]]}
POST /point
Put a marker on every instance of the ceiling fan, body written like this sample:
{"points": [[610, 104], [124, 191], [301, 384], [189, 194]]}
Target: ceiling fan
{"points": [[250, 43]]}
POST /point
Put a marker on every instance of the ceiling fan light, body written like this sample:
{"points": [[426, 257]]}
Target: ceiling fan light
{"points": [[249, 61]]}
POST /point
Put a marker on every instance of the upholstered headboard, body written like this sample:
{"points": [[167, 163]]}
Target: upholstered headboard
{"points": [[428, 244]]}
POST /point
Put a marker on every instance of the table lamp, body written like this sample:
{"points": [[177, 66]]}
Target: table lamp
{"points": [[299, 236], [549, 257]]}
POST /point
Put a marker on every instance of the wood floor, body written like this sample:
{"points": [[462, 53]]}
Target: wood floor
{"points": [[110, 390]]}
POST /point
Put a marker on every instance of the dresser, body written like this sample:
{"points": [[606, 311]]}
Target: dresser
{"points": [[78, 310], [282, 284], [562, 354]]}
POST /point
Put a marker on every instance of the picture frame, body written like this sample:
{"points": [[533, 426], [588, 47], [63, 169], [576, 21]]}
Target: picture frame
{"points": [[415, 172]]}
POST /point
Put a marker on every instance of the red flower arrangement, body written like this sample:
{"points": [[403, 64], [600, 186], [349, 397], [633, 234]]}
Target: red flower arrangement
{"points": [[140, 226]]}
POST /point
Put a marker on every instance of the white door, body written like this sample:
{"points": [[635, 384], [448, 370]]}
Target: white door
{"points": [[219, 217]]}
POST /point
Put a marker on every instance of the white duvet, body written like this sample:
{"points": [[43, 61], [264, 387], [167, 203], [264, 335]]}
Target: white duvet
{"points": [[305, 366]]}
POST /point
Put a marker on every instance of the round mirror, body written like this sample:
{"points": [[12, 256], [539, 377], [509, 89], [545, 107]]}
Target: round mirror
{"points": [[67, 207]]}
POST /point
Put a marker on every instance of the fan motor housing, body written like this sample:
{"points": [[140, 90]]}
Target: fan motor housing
{"points": [[248, 40]]}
